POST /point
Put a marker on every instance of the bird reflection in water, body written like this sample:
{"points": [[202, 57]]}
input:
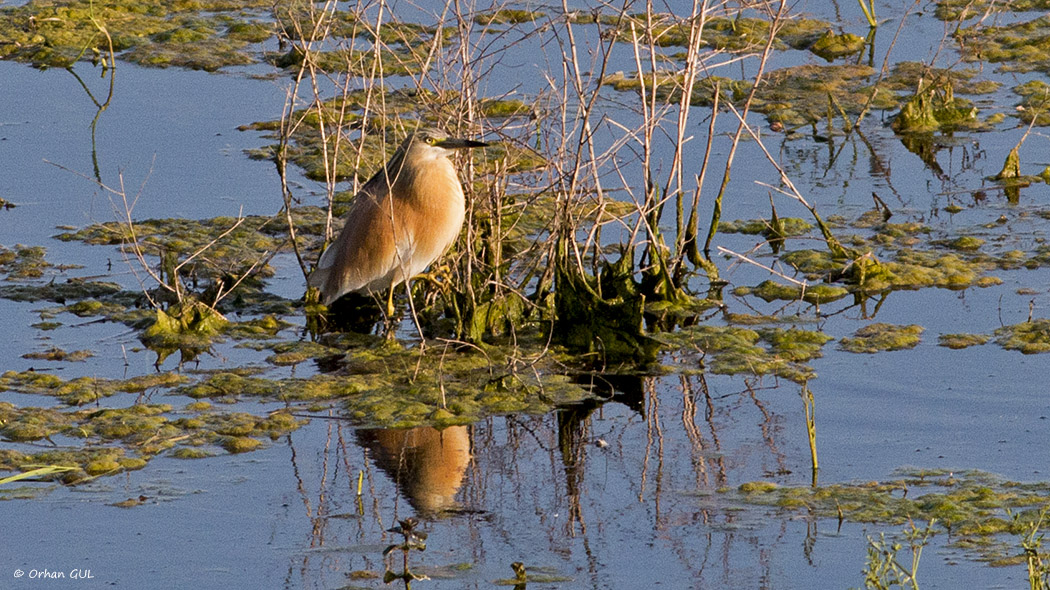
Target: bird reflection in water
{"points": [[425, 463]]}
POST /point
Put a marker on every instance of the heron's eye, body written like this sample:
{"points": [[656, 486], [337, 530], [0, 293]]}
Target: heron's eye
{"points": [[432, 140]]}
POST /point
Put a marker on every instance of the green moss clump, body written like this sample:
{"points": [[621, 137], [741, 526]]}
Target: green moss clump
{"points": [[773, 291], [963, 243], [833, 45], [935, 108], [1028, 337], [240, 444], [190, 327], [959, 341], [731, 350], [24, 262], [758, 487], [508, 16], [497, 109], [880, 337], [792, 226], [1035, 102], [102, 466], [251, 31], [57, 354], [793, 344], [190, 453]]}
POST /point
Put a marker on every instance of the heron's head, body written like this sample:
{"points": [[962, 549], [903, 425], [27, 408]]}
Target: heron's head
{"points": [[429, 142]]}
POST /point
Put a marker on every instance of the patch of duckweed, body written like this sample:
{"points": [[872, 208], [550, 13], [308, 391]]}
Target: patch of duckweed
{"points": [[502, 108], [773, 291], [962, 243], [508, 16], [23, 262], [31, 424], [794, 97], [122, 439], [1016, 46], [59, 292], [231, 386], [879, 337], [84, 390], [747, 319], [1035, 102], [910, 269], [732, 350], [57, 354], [191, 453], [295, 352], [198, 35], [239, 249], [906, 76], [961, 10], [1030, 337], [974, 507], [760, 487], [736, 34], [791, 227], [133, 425], [382, 388], [832, 45], [959, 341]]}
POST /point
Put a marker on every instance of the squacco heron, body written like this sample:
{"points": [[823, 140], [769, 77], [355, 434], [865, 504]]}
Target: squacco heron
{"points": [[403, 219]]}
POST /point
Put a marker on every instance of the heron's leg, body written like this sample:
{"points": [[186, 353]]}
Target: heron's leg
{"points": [[390, 303]]}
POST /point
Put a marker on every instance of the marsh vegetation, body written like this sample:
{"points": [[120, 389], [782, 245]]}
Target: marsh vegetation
{"points": [[723, 191]]}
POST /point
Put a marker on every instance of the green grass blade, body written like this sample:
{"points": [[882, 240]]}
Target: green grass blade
{"points": [[39, 471]]}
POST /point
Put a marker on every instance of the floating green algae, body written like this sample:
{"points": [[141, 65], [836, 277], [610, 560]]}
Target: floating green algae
{"points": [[906, 76], [794, 96], [961, 10], [959, 341], [154, 32], [791, 226], [963, 243], [832, 45], [122, 439], [878, 337], [386, 385], [1035, 102], [507, 16], [23, 262], [244, 242], [732, 350], [974, 507], [725, 33], [1029, 337], [1017, 47], [910, 269], [773, 291], [57, 354], [83, 390]]}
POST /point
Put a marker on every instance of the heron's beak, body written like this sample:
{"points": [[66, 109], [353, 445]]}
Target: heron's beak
{"points": [[459, 144]]}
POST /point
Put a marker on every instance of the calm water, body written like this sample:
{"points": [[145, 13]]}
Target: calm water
{"points": [[640, 512]]}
